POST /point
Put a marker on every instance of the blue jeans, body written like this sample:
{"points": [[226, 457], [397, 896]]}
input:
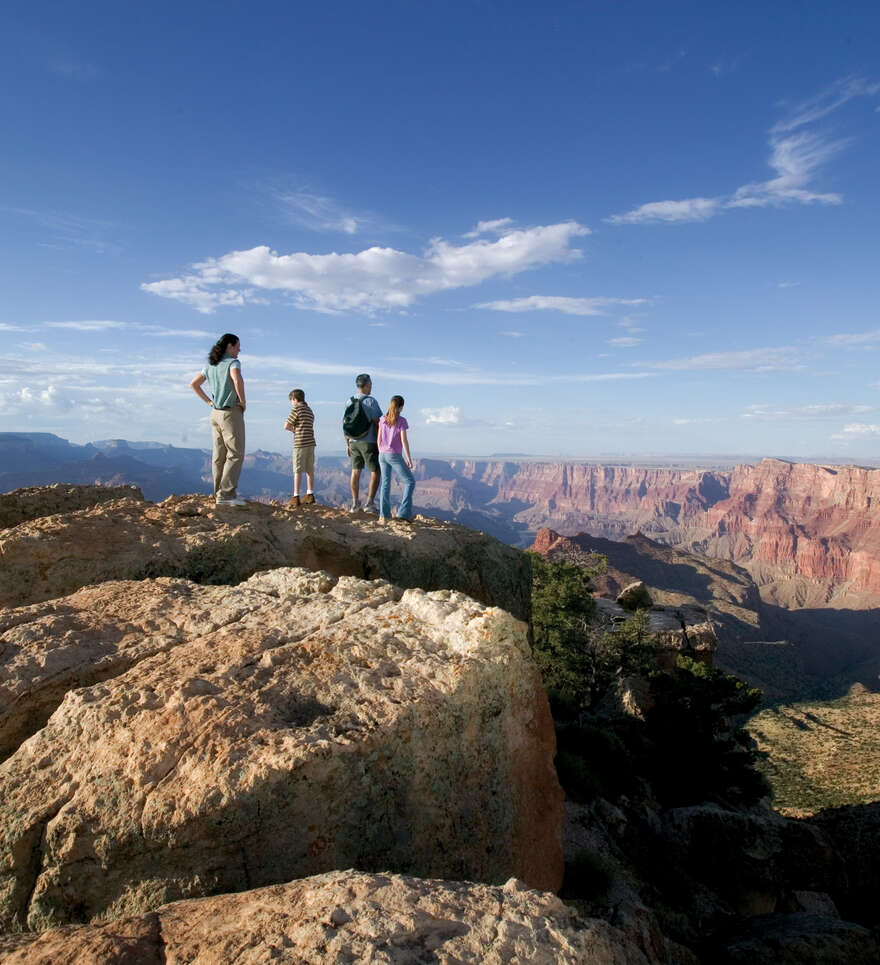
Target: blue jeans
{"points": [[389, 461]]}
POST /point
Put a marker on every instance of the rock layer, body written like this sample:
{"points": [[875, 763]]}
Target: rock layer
{"points": [[188, 536], [344, 916], [244, 736]]}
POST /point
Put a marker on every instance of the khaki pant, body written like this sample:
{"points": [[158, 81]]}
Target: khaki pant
{"points": [[227, 434]]}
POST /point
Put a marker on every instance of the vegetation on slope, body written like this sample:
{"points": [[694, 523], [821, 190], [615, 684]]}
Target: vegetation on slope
{"points": [[820, 754]]}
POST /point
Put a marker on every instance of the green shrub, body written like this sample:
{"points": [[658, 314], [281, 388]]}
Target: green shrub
{"points": [[580, 661]]}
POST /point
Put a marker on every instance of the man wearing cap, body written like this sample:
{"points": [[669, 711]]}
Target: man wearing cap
{"points": [[364, 451]]}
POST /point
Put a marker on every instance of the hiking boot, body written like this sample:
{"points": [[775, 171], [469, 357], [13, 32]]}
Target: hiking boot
{"points": [[371, 507], [308, 498], [355, 506], [293, 502]]}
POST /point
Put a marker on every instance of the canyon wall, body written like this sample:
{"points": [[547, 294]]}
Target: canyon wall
{"points": [[810, 534]]}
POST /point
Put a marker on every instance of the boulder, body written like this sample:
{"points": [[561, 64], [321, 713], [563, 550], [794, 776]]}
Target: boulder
{"points": [[344, 916], [234, 737], [191, 537]]}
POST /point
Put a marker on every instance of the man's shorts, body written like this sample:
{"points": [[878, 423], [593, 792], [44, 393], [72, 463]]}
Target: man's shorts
{"points": [[304, 459], [364, 454]]}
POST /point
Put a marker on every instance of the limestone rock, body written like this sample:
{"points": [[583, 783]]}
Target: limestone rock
{"points": [[229, 738], [344, 916], [635, 596], [21, 505], [675, 630], [190, 537]]}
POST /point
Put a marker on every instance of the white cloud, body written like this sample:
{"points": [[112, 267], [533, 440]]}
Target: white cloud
{"points": [[788, 284], [29, 397], [856, 338], [447, 415], [88, 326], [489, 227], [513, 334], [160, 331], [757, 359], [630, 325], [795, 155], [602, 377], [559, 303], [320, 213], [691, 209], [4, 327], [825, 102], [857, 429], [375, 278], [762, 412], [624, 342], [796, 159]]}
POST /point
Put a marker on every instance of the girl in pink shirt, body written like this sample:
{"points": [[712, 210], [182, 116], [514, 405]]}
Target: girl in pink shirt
{"points": [[394, 457]]}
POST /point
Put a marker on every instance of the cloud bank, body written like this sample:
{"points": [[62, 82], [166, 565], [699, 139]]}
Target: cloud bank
{"points": [[373, 279]]}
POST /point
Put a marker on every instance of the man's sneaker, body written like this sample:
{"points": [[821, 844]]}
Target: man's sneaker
{"points": [[308, 498], [293, 502], [371, 507], [235, 501], [355, 506]]}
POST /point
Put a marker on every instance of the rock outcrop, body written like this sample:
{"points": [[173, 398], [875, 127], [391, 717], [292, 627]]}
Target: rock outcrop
{"points": [[188, 536], [191, 740], [344, 916], [35, 502]]}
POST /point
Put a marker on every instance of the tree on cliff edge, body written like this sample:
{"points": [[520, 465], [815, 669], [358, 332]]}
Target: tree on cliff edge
{"points": [[580, 660]]}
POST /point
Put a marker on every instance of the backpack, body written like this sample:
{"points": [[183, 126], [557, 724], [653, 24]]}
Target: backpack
{"points": [[355, 423]]}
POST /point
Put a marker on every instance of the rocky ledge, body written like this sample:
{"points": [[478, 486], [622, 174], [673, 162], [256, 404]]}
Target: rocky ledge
{"points": [[190, 740], [48, 555], [344, 916]]}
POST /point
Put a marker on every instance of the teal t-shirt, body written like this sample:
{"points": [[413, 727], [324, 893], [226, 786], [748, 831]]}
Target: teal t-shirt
{"points": [[219, 382]]}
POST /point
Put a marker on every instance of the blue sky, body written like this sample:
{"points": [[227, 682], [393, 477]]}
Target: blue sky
{"points": [[561, 229]]}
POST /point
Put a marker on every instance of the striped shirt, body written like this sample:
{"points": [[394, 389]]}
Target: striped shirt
{"points": [[301, 422]]}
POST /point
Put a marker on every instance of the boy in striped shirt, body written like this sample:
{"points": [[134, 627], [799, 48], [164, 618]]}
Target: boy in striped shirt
{"points": [[301, 422]]}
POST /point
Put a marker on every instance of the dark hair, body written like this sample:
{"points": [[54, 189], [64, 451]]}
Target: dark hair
{"points": [[297, 395], [363, 379], [394, 407], [219, 349]]}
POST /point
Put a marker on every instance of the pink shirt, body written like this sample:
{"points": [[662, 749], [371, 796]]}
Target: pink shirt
{"points": [[389, 436]]}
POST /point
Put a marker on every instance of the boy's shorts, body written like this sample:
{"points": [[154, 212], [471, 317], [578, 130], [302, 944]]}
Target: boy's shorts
{"points": [[304, 459], [364, 454]]}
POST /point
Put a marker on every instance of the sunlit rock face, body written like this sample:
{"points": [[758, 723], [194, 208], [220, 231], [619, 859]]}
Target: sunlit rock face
{"points": [[169, 740], [49, 555], [345, 916]]}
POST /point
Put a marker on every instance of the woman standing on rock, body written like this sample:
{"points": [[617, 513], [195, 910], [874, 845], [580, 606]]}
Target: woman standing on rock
{"points": [[394, 455], [223, 375]]}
